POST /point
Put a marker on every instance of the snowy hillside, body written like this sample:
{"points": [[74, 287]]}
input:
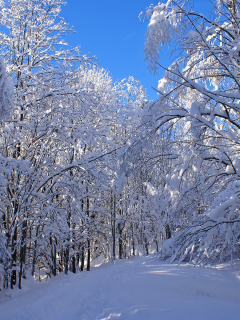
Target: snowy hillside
{"points": [[140, 289]]}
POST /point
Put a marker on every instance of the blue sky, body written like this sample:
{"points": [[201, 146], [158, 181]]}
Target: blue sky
{"points": [[112, 31]]}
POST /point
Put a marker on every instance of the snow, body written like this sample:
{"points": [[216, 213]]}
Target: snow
{"points": [[220, 210], [143, 288]]}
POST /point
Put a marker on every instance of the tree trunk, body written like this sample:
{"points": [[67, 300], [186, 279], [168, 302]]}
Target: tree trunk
{"points": [[167, 231], [133, 241], [66, 260], [120, 242], [89, 256], [22, 253], [14, 259], [35, 252], [82, 258], [146, 245], [55, 259], [114, 226], [88, 242], [73, 264]]}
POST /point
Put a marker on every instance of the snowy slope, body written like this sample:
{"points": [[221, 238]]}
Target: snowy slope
{"points": [[139, 289]]}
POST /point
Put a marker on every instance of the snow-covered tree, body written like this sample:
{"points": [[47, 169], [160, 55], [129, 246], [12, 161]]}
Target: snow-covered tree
{"points": [[61, 205], [199, 100], [6, 98], [6, 105], [44, 90]]}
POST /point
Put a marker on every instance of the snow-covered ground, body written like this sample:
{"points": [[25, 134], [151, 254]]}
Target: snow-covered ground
{"points": [[139, 289]]}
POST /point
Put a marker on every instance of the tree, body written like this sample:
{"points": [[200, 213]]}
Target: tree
{"points": [[6, 102], [44, 82], [60, 151], [199, 100]]}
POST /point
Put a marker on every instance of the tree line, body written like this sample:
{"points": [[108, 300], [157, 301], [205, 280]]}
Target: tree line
{"points": [[60, 151], [92, 169]]}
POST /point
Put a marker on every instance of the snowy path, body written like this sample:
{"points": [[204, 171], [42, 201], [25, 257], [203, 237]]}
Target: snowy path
{"points": [[139, 289]]}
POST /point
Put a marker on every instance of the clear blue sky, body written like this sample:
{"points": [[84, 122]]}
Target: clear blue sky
{"points": [[112, 31]]}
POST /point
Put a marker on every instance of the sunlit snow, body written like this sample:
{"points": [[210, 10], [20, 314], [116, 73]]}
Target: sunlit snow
{"points": [[141, 289]]}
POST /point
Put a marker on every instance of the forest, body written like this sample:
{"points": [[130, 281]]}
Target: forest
{"points": [[91, 168]]}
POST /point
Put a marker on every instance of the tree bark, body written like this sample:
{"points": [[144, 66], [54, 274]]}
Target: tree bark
{"points": [[88, 242], [14, 259], [82, 258], [22, 253], [114, 226]]}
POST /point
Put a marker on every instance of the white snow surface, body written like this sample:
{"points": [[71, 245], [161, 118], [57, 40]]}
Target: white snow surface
{"points": [[140, 289]]}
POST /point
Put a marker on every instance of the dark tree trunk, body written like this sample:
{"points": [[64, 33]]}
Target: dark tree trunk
{"points": [[133, 242], [146, 245], [89, 256], [54, 256], [66, 260], [120, 244], [78, 259], [14, 259], [22, 253], [55, 259], [67, 251], [114, 226], [88, 242], [35, 252], [74, 264], [168, 232], [6, 272], [82, 258], [34, 257], [62, 260]]}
